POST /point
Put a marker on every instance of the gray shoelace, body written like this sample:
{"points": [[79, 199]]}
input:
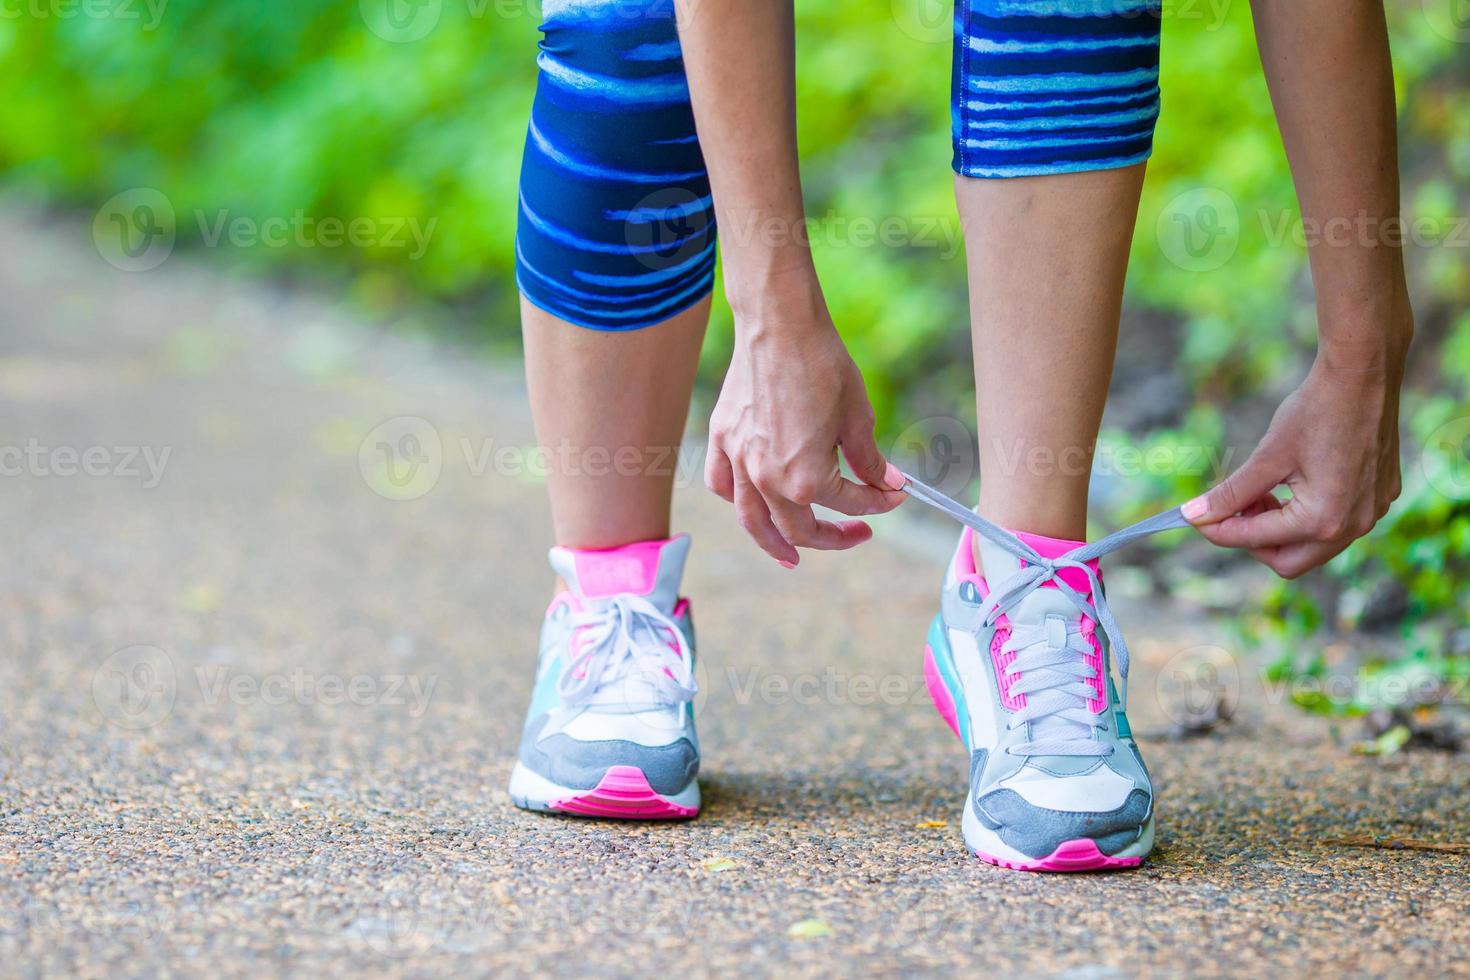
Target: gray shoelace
{"points": [[1038, 570], [623, 642]]}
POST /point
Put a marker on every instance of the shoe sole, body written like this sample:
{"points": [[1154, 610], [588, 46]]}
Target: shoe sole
{"points": [[623, 793], [1070, 856]]}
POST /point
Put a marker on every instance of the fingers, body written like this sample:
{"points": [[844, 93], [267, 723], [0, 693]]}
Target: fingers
{"points": [[799, 526], [775, 508], [755, 518], [1294, 561], [1259, 526], [860, 450], [1241, 512], [1253, 481], [856, 500], [1290, 538], [719, 475]]}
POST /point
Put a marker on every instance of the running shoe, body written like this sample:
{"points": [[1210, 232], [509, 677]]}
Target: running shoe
{"points": [[1018, 664], [610, 730]]}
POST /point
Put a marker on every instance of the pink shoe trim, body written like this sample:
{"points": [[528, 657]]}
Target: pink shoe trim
{"points": [[965, 571], [964, 565], [1002, 659], [631, 569], [1099, 703], [1054, 548], [939, 693], [1072, 855], [568, 599], [624, 794]]}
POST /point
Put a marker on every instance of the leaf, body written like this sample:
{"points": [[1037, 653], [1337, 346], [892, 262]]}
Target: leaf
{"points": [[932, 824], [1386, 744], [809, 929], [718, 864]]}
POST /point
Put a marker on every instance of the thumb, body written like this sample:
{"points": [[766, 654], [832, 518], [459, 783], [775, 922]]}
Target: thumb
{"points": [[860, 449], [1255, 479]]}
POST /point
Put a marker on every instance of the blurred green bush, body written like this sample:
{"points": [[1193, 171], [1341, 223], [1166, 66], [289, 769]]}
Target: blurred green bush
{"points": [[323, 107]]}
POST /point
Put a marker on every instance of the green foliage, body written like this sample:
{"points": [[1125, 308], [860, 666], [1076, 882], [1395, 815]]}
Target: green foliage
{"points": [[260, 110]]}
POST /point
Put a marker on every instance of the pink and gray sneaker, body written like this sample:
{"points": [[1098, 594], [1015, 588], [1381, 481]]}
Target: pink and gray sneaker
{"points": [[610, 730], [1017, 663]]}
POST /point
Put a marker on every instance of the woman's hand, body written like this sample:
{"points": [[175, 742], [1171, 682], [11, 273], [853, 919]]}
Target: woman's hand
{"points": [[792, 396], [1335, 443]]}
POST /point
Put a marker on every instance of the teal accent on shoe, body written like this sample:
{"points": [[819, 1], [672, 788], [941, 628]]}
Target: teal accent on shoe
{"points": [[950, 675], [1125, 730], [544, 695]]}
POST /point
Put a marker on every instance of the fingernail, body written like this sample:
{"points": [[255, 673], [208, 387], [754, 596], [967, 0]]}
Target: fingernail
{"points": [[1195, 509], [894, 477], [785, 564]]}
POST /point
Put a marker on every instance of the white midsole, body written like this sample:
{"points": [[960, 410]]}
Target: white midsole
{"points": [[529, 788], [979, 837]]}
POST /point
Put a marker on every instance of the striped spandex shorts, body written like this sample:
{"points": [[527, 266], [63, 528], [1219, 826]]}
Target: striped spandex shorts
{"points": [[616, 228]]}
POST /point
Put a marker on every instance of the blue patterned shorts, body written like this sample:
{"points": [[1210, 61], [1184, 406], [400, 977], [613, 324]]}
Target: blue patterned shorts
{"points": [[616, 227]]}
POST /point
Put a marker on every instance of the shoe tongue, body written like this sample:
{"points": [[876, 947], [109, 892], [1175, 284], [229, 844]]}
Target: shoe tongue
{"points": [[651, 569], [999, 564], [1051, 609]]}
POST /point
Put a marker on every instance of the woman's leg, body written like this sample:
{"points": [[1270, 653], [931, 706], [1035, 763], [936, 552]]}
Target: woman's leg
{"points": [[1046, 256], [610, 411], [1054, 107], [1055, 102], [615, 255]]}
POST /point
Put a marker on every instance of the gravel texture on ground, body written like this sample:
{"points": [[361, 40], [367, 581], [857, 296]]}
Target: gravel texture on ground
{"points": [[257, 715]]}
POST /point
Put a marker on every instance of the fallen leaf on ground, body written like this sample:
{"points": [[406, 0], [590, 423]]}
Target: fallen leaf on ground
{"points": [[718, 864], [1386, 744], [932, 824], [809, 929], [1424, 726]]}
